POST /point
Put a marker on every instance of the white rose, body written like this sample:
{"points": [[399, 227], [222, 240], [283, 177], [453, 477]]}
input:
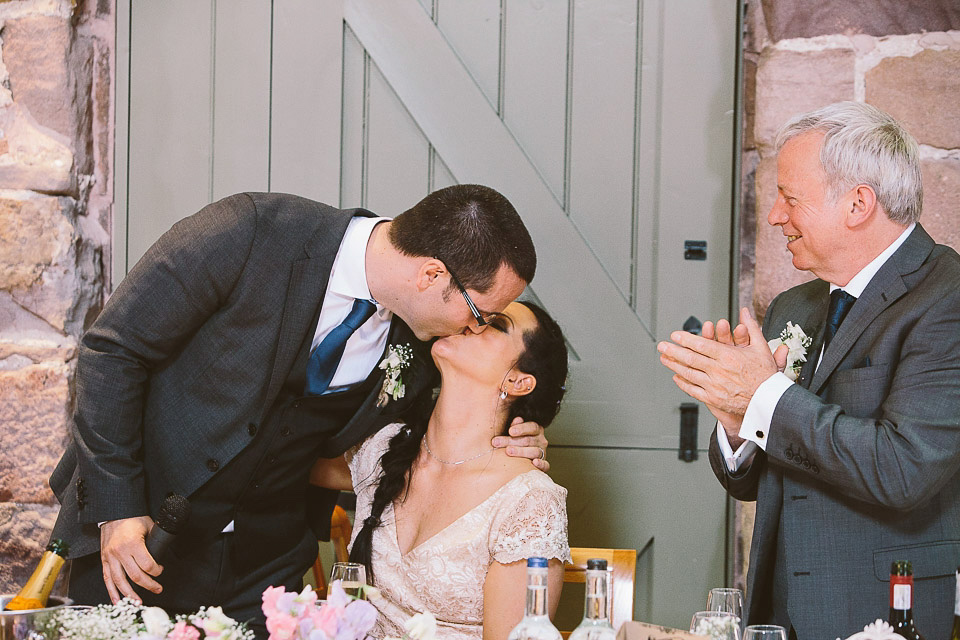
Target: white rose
{"points": [[156, 621], [422, 626]]}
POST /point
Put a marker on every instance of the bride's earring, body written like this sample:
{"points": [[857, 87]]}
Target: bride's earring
{"points": [[503, 395]]}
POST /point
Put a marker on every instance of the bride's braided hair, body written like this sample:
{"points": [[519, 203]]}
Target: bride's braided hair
{"points": [[544, 357]]}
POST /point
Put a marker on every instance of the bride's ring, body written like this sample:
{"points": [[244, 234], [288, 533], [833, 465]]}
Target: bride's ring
{"points": [[543, 454]]}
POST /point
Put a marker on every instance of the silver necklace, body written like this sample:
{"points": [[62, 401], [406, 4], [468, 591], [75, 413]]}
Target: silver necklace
{"points": [[441, 461]]}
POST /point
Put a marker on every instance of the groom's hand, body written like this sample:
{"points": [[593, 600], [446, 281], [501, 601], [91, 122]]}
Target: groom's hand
{"points": [[526, 441], [719, 375], [123, 553]]}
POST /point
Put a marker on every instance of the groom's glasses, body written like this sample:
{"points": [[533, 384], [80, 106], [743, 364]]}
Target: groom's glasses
{"points": [[481, 321]]}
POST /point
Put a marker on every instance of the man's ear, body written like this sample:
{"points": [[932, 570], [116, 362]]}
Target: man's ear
{"points": [[430, 273], [861, 203], [518, 383]]}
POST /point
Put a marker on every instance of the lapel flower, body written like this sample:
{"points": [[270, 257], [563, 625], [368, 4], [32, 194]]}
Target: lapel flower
{"points": [[797, 343], [399, 357]]}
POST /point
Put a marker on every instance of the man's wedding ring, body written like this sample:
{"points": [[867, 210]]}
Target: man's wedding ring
{"points": [[543, 454]]}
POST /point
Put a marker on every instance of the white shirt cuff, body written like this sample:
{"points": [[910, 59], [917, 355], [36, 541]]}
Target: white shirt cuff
{"points": [[734, 459], [756, 421]]}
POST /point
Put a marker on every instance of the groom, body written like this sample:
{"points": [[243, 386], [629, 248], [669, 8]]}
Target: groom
{"points": [[857, 464], [242, 347]]}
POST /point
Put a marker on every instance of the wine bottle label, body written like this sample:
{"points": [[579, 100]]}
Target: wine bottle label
{"points": [[902, 597]]}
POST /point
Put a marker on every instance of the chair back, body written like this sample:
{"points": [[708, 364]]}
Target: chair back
{"points": [[622, 571], [340, 532]]}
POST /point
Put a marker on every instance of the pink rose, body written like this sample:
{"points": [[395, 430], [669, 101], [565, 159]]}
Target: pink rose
{"points": [[183, 631]]}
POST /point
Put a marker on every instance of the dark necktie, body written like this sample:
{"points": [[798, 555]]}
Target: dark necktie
{"points": [[325, 358], [840, 304]]}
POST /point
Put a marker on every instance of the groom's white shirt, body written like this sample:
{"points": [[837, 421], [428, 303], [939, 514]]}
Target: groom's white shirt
{"points": [[756, 421]]}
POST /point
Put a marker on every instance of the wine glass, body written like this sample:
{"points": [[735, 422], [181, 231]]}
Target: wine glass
{"points": [[764, 632], [352, 576], [717, 625], [730, 600]]}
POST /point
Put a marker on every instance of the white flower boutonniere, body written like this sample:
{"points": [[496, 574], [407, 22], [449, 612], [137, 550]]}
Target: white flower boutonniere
{"points": [[399, 357], [797, 343]]}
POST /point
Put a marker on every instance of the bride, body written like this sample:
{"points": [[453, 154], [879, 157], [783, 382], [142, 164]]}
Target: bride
{"points": [[444, 522]]}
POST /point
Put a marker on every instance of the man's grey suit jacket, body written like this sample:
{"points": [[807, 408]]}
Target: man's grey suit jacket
{"points": [[862, 466], [187, 358]]}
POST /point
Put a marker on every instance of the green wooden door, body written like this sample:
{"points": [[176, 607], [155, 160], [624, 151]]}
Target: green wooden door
{"points": [[608, 123]]}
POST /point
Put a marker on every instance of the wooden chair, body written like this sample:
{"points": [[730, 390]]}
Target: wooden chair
{"points": [[340, 530], [622, 570]]}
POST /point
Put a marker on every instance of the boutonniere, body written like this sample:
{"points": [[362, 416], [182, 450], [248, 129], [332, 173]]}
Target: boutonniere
{"points": [[399, 357], [797, 342]]}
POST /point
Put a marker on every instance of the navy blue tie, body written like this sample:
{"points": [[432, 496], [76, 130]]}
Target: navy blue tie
{"points": [[325, 358], [840, 304]]}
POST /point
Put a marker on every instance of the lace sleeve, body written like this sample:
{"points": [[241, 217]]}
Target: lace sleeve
{"points": [[363, 458], [535, 526]]}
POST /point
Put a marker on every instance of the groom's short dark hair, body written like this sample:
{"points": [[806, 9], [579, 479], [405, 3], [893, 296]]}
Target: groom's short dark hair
{"points": [[473, 229]]}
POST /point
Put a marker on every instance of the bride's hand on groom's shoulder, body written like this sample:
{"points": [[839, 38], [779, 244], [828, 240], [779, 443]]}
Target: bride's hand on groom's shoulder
{"points": [[526, 440]]}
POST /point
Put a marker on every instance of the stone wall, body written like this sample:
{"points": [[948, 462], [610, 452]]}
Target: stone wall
{"points": [[901, 56], [56, 182]]}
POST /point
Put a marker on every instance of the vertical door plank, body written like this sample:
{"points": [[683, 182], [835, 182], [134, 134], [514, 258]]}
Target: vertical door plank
{"points": [[440, 175], [241, 97], [170, 116], [307, 76], [535, 85], [472, 27], [352, 126], [601, 128], [397, 153], [696, 130]]}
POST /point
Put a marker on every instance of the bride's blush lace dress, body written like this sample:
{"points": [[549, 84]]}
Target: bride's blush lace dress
{"points": [[444, 574]]}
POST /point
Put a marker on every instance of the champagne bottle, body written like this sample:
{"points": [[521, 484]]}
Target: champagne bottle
{"points": [[955, 634], [901, 600], [34, 594], [536, 624], [595, 625]]}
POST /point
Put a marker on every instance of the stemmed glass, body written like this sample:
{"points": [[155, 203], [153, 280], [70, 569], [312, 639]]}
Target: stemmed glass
{"points": [[764, 632], [351, 575], [717, 625], [729, 600]]}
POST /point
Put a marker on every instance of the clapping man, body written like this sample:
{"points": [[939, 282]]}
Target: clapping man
{"points": [[857, 463]]}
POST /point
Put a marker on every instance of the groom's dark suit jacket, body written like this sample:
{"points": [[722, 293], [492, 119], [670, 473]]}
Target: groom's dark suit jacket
{"points": [[190, 381], [862, 466]]}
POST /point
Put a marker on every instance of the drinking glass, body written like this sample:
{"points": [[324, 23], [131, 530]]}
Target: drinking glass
{"points": [[730, 600], [764, 632], [717, 625], [351, 575]]}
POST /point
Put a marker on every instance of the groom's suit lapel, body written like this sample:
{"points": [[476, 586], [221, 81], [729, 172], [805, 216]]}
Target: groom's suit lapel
{"points": [[886, 287], [305, 292]]}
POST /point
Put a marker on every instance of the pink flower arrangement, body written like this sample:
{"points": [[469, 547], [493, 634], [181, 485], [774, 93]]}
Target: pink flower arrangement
{"points": [[296, 616]]}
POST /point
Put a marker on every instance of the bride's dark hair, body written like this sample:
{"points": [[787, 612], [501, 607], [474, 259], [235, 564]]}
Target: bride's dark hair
{"points": [[544, 357]]}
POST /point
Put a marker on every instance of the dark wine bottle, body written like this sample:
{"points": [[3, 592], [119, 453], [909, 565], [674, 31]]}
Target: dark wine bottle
{"points": [[955, 634], [901, 600]]}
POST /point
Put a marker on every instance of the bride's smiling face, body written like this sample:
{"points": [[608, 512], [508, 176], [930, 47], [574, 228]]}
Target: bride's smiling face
{"points": [[486, 357]]}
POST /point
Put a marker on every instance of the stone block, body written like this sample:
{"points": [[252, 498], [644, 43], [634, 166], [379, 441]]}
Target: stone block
{"points": [[34, 413], [32, 156], [749, 103], [774, 262], [941, 193], [790, 83], [46, 264], [26, 339], [50, 75], [24, 532], [922, 92], [872, 17]]}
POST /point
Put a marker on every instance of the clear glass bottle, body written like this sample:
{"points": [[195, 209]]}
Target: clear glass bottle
{"points": [[595, 625], [536, 623], [955, 633], [35, 593], [901, 600]]}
